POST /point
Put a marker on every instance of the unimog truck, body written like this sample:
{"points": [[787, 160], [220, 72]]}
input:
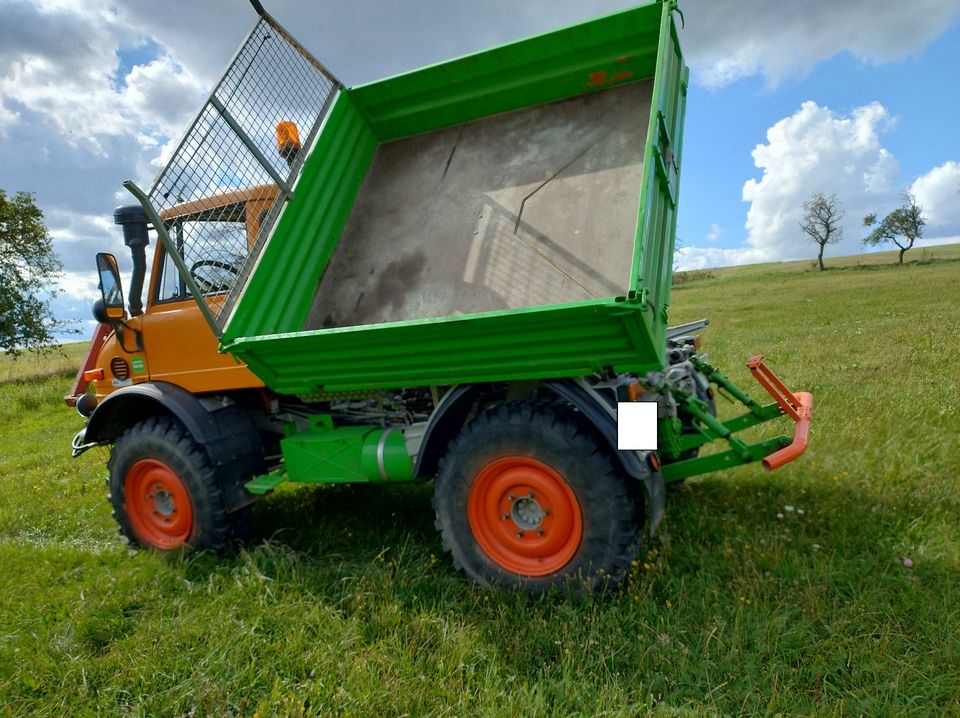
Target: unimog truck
{"points": [[460, 274]]}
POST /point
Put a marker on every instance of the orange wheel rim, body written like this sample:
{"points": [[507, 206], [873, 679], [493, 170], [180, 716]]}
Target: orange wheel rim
{"points": [[525, 516], [157, 504]]}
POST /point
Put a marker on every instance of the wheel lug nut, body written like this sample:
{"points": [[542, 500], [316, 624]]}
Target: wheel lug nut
{"points": [[540, 532], [520, 533], [511, 497], [530, 495], [505, 517]]}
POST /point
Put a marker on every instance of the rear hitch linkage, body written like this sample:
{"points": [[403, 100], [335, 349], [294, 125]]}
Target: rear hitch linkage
{"points": [[773, 453]]}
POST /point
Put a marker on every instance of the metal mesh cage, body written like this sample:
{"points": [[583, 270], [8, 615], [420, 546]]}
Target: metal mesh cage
{"points": [[224, 186]]}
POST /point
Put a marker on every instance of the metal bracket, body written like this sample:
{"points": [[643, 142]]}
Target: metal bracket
{"points": [[250, 145], [772, 452]]}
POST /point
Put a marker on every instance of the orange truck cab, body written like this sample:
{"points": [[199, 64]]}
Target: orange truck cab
{"points": [[154, 372], [167, 339]]}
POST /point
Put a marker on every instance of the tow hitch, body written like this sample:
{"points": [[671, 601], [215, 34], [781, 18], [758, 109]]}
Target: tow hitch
{"points": [[798, 406], [773, 452]]}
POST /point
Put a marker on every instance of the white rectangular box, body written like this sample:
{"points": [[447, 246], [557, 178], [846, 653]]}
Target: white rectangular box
{"points": [[637, 425]]}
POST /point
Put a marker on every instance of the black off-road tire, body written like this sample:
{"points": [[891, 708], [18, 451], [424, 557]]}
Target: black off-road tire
{"points": [[164, 442], [555, 436]]}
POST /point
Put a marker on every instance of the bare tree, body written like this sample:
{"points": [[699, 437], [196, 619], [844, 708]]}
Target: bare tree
{"points": [[903, 226], [821, 222]]}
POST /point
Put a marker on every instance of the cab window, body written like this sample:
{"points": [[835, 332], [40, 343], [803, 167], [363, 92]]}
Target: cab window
{"points": [[213, 246]]}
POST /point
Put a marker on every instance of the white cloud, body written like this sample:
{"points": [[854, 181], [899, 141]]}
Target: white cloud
{"points": [[77, 237], [76, 119], [80, 288], [67, 76], [715, 233], [161, 95], [723, 41], [7, 117], [818, 150], [814, 150], [728, 41], [706, 257], [938, 192]]}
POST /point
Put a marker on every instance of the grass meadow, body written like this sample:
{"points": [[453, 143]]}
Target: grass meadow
{"points": [[762, 594]]}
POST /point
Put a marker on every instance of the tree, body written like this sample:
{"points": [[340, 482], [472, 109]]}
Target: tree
{"points": [[903, 226], [28, 268], [821, 222]]}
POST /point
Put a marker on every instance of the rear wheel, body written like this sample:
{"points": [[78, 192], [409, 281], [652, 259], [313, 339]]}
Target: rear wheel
{"points": [[526, 497], [163, 489]]}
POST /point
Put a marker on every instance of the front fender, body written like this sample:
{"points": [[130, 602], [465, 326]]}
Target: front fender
{"points": [[129, 405], [224, 430]]}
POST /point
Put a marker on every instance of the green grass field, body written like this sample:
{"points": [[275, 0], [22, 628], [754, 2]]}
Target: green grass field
{"points": [[59, 363], [344, 604]]}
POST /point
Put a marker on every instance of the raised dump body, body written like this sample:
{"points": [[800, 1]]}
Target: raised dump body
{"points": [[506, 215], [522, 209]]}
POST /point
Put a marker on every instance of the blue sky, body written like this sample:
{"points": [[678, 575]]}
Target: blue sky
{"points": [[921, 91], [145, 51], [858, 98]]}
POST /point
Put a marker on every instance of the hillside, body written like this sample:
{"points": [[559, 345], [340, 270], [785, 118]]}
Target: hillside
{"points": [[343, 603]]}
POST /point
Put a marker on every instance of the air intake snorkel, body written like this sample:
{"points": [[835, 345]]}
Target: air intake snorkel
{"points": [[134, 222]]}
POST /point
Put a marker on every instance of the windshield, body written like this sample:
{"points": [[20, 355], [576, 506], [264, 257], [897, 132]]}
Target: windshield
{"points": [[213, 250]]}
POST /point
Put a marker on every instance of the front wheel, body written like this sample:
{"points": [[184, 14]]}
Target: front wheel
{"points": [[163, 489], [527, 497]]}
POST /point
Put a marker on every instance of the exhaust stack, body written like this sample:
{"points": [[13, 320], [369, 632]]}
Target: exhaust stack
{"points": [[134, 222]]}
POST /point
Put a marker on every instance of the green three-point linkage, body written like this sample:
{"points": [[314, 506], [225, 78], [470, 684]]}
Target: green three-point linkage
{"points": [[709, 428]]}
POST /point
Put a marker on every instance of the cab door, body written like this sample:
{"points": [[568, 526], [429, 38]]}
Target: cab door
{"points": [[178, 344]]}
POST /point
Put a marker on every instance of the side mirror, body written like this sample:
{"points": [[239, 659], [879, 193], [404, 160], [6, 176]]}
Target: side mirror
{"points": [[111, 290]]}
